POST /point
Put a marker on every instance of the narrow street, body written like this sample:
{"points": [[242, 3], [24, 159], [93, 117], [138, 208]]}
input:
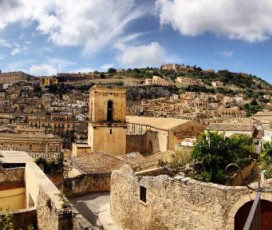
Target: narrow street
{"points": [[95, 207]]}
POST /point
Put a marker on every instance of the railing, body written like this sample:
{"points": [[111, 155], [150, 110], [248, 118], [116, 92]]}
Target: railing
{"points": [[253, 221]]}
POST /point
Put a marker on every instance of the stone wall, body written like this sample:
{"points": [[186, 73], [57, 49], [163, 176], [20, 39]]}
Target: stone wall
{"points": [[174, 203], [86, 183], [53, 209], [246, 171], [12, 175], [146, 143], [135, 143]]}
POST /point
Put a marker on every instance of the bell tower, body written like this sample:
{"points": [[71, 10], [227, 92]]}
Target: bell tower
{"points": [[107, 120]]}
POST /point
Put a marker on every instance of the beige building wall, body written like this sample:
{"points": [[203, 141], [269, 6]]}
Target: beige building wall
{"points": [[110, 140], [107, 113], [12, 199], [99, 97]]}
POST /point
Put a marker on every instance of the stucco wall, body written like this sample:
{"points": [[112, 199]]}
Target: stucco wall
{"points": [[12, 199], [174, 203]]}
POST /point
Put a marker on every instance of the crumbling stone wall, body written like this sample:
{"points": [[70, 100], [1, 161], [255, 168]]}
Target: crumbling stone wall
{"points": [[53, 209], [174, 203], [86, 183]]}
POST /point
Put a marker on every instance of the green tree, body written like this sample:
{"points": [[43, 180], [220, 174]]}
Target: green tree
{"points": [[252, 107], [112, 70], [6, 220], [214, 151], [266, 159]]}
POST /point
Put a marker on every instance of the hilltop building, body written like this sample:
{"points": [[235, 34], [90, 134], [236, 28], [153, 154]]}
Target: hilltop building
{"points": [[13, 77], [173, 67], [156, 80]]}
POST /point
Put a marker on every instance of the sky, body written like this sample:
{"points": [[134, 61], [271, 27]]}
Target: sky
{"points": [[46, 37]]}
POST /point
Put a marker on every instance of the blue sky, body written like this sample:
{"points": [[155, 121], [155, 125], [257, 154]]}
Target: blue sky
{"points": [[46, 37]]}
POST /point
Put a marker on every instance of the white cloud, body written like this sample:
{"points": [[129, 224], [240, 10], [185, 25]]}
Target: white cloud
{"points": [[15, 51], [93, 24], [14, 47], [225, 53], [50, 67], [142, 56], [5, 43], [42, 69], [82, 70], [2, 57], [107, 66], [247, 20]]}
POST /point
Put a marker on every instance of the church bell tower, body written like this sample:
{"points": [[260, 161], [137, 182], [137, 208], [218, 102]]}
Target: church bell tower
{"points": [[107, 120]]}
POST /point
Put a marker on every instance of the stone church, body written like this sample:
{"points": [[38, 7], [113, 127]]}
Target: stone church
{"points": [[112, 132]]}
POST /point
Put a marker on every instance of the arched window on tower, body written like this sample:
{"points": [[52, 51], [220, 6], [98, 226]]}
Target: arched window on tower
{"points": [[110, 111]]}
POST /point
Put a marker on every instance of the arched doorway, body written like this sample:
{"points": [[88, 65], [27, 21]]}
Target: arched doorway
{"points": [[265, 218]]}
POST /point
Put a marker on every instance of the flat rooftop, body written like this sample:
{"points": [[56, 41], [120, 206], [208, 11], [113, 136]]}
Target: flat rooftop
{"points": [[14, 157]]}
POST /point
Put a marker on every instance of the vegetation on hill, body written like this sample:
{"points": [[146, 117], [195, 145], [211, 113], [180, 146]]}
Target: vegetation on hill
{"points": [[242, 80], [252, 107]]}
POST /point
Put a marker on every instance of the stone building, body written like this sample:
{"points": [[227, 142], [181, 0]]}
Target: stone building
{"points": [[154, 200], [173, 67], [167, 132], [13, 77], [107, 114], [156, 80], [30, 141], [185, 81]]}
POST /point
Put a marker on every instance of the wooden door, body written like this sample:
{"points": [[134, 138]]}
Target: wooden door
{"points": [[265, 219]]}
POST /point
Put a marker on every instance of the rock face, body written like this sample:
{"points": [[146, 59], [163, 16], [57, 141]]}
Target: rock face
{"points": [[174, 203]]}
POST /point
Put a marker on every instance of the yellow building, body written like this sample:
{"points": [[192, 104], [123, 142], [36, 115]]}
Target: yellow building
{"points": [[107, 114], [47, 81]]}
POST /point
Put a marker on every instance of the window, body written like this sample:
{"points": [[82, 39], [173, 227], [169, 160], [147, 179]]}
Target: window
{"points": [[110, 111], [110, 131], [143, 194], [30, 147]]}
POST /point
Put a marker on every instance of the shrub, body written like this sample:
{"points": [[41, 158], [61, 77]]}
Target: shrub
{"points": [[215, 152]]}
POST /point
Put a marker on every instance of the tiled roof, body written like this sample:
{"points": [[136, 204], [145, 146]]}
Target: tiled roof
{"points": [[156, 122], [98, 162], [230, 127]]}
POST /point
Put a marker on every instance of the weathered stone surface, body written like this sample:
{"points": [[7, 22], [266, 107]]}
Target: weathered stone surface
{"points": [[174, 203]]}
